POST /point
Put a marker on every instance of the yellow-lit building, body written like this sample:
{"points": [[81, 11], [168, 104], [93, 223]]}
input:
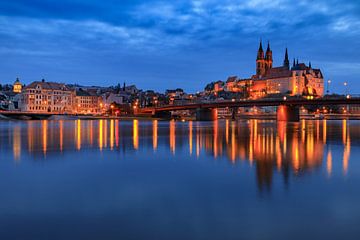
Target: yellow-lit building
{"points": [[86, 102], [17, 87]]}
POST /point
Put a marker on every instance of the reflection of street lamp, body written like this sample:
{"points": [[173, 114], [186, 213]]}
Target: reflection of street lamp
{"points": [[328, 86]]}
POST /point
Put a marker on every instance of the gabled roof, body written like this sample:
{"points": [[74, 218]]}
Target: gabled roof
{"points": [[82, 93], [232, 79], [48, 85]]}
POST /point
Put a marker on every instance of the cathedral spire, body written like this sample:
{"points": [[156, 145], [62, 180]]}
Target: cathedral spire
{"points": [[286, 59], [268, 47], [260, 54], [294, 63]]}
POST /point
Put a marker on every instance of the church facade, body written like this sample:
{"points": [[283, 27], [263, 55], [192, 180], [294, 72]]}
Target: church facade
{"points": [[296, 80]]}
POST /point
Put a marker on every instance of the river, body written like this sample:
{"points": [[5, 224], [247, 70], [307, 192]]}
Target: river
{"points": [[112, 179]]}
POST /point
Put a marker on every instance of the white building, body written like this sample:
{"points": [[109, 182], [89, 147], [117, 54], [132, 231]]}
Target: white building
{"points": [[42, 96]]}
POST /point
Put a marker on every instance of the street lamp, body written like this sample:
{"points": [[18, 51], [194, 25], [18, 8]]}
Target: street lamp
{"points": [[328, 86]]}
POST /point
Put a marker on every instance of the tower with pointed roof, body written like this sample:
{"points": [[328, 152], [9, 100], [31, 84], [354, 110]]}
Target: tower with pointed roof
{"points": [[17, 87], [260, 61], [286, 60], [268, 58]]}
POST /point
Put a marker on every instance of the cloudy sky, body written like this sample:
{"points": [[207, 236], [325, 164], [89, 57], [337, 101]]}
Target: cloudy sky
{"points": [[159, 44]]}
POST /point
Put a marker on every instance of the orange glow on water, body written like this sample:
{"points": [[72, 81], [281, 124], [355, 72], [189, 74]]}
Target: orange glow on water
{"points": [[117, 133], [324, 130], [78, 134], [346, 154], [136, 134], [227, 131], [17, 143], [112, 133], [155, 134], [215, 133], [233, 142], [101, 134], [172, 136], [190, 137], [30, 133], [329, 163], [61, 134], [44, 128]]}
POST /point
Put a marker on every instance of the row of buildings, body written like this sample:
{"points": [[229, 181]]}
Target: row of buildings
{"points": [[43, 96], [296, 79]]}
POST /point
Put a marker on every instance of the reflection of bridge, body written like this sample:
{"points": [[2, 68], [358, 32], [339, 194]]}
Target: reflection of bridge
{"points": [[27, 115], [288, 109]]}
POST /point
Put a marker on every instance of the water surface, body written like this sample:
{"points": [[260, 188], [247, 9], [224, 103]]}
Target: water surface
{"points": [[112, 179]]}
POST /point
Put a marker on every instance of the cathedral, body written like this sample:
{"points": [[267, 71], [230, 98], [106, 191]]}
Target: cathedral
{"points": [[296, 80]]}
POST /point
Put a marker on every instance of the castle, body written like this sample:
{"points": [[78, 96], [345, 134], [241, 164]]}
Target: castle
{"points": [[298, 80]]}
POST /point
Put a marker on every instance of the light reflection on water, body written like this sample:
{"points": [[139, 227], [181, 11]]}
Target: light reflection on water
{"points": [[294, 147], [267, 154]]}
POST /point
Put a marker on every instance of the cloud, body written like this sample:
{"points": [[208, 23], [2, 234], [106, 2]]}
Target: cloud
{"points": [[216, 37]]}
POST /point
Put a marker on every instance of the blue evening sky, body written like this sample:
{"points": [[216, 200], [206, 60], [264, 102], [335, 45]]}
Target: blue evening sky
{"points": [[166, 44]]}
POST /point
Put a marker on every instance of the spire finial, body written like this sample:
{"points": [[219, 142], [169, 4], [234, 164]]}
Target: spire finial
{"points": [[260, 46], [286, 59]]}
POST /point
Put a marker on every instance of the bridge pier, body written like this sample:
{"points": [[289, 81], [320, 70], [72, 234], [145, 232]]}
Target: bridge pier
{"points": [[288, 113], [234, 111], [162, 114], [206, 114]]}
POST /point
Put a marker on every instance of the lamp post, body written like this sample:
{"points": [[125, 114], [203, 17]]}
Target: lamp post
{"points": [[328, 86]]}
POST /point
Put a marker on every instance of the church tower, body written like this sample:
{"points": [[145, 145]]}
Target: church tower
{"points": [[286, 60], [268, 58], [260, 61]]}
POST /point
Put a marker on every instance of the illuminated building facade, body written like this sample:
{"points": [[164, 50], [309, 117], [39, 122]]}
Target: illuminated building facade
{"points": [[300, 79], [86, 102], [42, 96], [17, 87]]}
